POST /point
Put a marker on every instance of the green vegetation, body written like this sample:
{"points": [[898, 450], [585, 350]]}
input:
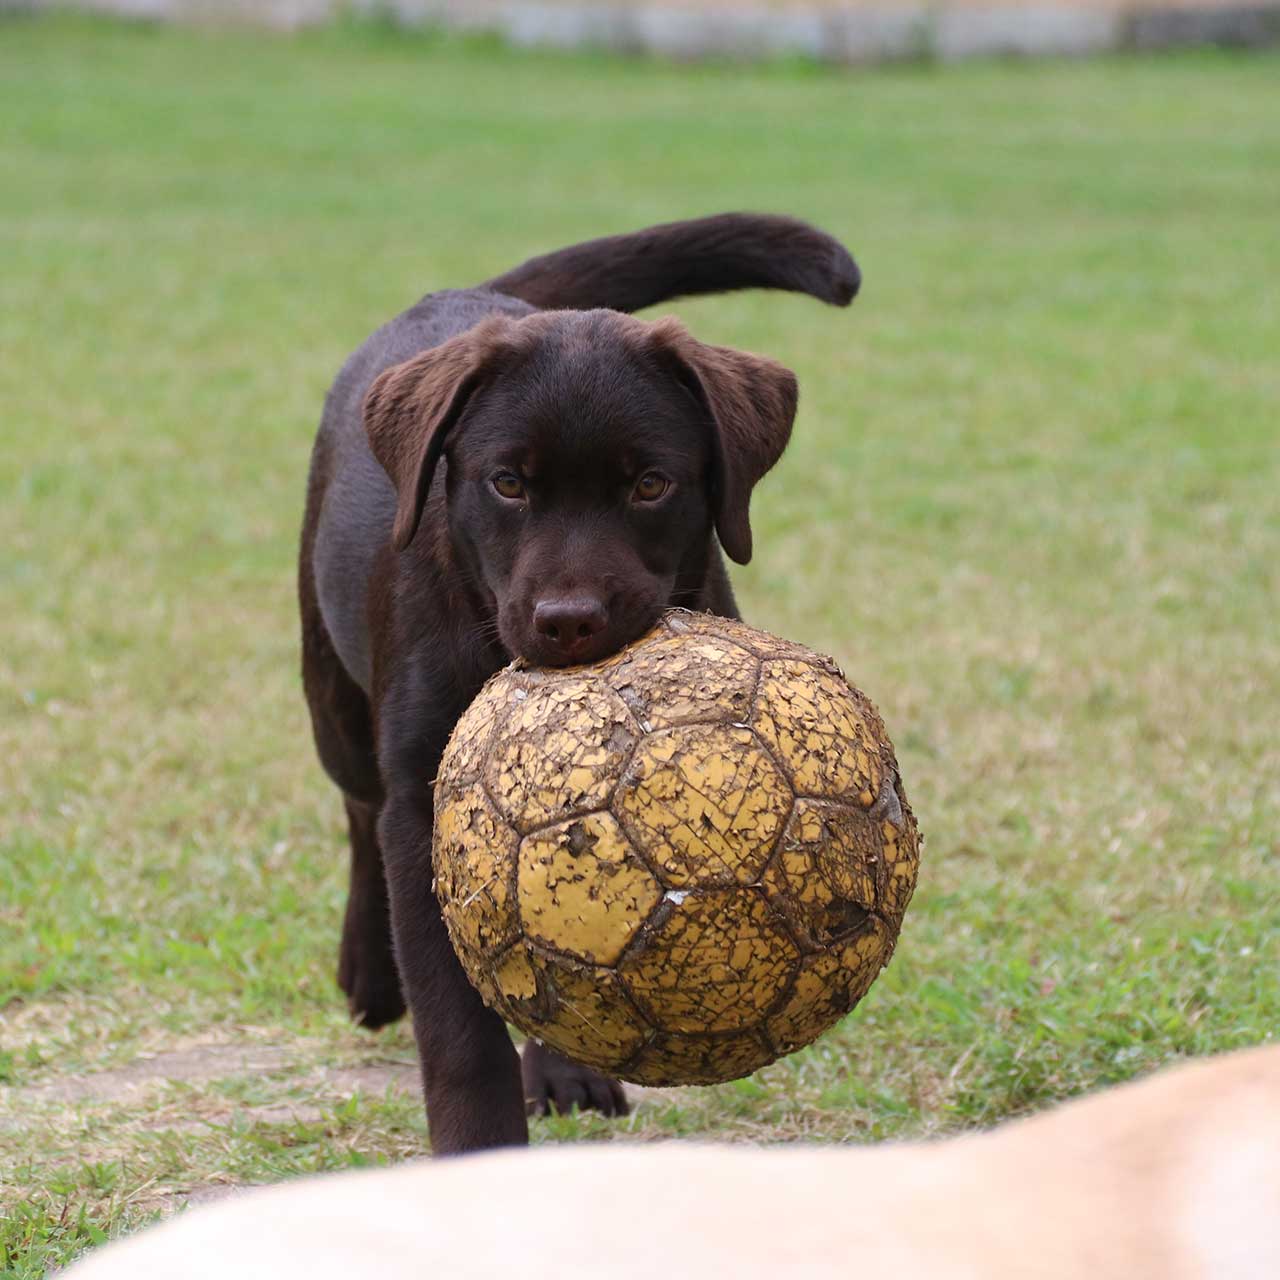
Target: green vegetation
{"points": [[1031, 505]]}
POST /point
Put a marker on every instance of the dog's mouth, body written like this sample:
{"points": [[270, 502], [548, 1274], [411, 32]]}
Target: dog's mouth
{"points": [[573, 631]]}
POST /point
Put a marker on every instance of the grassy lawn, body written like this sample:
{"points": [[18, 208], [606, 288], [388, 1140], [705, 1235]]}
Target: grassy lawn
{"points": [[1032, 505]]}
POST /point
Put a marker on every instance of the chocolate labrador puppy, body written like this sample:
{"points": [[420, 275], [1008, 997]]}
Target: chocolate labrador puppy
{"points": [[520, 469]]}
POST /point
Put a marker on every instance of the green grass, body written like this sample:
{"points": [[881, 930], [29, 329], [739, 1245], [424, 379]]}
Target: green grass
{"points": [[1031, 505]]}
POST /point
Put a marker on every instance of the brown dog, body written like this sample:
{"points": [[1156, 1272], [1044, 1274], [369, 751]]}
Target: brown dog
{"points": [[492, 480], [1175, 1178]]}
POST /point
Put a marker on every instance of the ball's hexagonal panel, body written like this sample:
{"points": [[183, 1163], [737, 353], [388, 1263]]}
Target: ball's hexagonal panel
{"points": [[828, 985], [578, 1010], [588, 1017], [581, 888], [825, 875], [710, 961], [464, 759], [699, 1059], [901, 859], [759, 643], [677, 679], [704, 804], [826, 735], [479, 970], [559, 752], [474, 851]]}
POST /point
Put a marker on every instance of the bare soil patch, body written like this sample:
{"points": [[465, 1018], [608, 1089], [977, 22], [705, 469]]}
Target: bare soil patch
{"points": [[196, 1063]]}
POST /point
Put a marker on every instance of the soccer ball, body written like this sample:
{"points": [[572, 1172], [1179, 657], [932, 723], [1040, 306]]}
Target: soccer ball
{"points": [[680, 863]]}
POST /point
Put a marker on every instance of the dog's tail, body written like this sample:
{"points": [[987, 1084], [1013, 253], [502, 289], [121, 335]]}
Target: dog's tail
{"points": [[705, 255]]}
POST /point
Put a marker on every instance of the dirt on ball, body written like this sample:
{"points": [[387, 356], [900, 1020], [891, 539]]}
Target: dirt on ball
{"points": [[678, 864]]}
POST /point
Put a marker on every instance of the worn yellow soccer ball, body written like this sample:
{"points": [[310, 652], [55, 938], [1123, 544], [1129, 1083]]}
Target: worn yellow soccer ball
{"points": [[680, 863]]}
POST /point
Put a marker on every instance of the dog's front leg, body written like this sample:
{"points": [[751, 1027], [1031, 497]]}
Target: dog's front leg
{"points": [[470, 1069]]}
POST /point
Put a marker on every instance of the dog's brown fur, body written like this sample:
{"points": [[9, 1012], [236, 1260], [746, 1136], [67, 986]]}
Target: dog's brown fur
{"points": [[418, 579], [1173, 1178]]}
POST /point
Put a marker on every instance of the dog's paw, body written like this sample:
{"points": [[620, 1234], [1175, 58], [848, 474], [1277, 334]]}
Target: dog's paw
{"points": [[554, 1085], [372, 986]]}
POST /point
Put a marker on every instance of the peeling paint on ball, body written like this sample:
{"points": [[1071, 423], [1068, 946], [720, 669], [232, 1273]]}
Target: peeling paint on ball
{"points": [[678, 864]]}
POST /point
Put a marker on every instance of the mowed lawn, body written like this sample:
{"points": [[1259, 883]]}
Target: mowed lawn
{"points": [[1032, 505]]}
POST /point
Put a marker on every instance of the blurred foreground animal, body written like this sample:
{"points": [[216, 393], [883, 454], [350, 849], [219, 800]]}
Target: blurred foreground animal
{"points": [[518, 470], [1173, 1178]]}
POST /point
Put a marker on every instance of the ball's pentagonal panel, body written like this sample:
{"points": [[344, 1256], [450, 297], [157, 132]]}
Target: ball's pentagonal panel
{"points": [[700, 1059], [679, 679], [681, 862], [475, 851], [710, 961], [559, 750], [582, 889], [823, 733], [828, 985], [704, 803]]}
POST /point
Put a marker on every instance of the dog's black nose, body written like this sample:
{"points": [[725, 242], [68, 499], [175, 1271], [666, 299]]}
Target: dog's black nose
{"points": [[569, 623]]}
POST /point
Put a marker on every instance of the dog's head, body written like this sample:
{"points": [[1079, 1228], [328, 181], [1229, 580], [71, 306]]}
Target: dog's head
{"points": [[589, 456]]}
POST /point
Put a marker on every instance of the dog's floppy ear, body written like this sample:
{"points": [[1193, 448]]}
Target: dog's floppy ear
{"points": [[751, 402], [411, 407]]}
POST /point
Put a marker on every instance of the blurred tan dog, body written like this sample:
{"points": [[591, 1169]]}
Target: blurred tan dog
{"points": [[1174, 1178]]}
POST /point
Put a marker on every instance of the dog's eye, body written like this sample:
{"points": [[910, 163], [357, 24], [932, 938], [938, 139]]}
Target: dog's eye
{"points": [[508, 485], [650, 487]]}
